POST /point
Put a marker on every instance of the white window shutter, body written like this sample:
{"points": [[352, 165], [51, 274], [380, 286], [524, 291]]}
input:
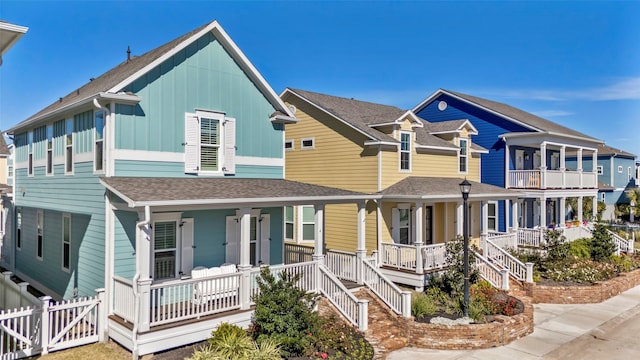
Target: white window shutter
{"points": [[232, 243], [412, 223], [229, 165], [265, 239], [395, 225], [187, 247], [191, 143]]}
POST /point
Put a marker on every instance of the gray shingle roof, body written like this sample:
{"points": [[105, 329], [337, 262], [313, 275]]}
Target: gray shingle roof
{"points": [[608, 150], [541, 124], [424, 138], [4, 149], [440, 188], [444, 126], [142, 190], [112, 77]]}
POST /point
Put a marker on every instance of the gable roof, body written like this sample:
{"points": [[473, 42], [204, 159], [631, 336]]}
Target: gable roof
{"points": [[364, 116], [4, 149], [508, 112], [9, 35], [116, 79], [151, 191], [608, 150]]}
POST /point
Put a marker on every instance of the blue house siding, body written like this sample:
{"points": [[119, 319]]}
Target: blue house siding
{"points": [[489, 127], [202, 76], [124, 257], [176, 169], [79, 195]]}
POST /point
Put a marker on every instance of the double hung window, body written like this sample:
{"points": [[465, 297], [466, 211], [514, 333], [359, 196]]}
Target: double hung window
{"points": [[210, 143], [463, 155], [405, 151], [98, 152]]}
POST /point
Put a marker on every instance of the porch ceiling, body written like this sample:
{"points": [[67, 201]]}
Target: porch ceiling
{"points": [[147, 191], [442, 189]]}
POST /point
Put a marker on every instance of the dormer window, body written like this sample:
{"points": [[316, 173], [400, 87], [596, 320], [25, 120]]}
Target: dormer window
{"points": [[405, 151], [463, 155]]}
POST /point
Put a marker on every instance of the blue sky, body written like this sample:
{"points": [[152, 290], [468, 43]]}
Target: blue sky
{"points": [[575, 63]]}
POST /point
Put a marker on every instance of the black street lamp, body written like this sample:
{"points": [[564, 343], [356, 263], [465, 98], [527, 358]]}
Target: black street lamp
{"points": [[465, 188]]}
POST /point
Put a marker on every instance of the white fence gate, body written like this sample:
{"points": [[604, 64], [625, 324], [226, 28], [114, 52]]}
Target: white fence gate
{"points": [[51, 326]]}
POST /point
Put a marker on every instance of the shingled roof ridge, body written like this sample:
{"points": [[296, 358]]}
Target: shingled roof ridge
{"points": [[301, 92]]}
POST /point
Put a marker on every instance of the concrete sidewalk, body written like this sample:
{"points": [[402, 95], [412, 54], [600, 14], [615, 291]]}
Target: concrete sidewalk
{"points": [[555, 326]]}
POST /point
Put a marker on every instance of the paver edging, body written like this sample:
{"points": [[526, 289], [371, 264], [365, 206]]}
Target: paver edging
{"points": [[587, 294], [502, 331]]}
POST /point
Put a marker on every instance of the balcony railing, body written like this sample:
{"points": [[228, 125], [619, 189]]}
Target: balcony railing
{"points": [[551, 179]]}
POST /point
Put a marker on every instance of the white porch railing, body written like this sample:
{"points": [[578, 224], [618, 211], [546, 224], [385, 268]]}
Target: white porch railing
{"points": [[342, 264], [574, 233], [530, 237], [307, 271], [622, 244], [356, 311], [399, 301], [434, 256], [503, 240], [552, 179], [123, 295], [14, 295], [295, 253], [496, 254], [403, 257], [497, 277]]}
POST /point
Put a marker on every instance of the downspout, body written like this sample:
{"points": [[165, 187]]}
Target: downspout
{"points": [[136, 295]]}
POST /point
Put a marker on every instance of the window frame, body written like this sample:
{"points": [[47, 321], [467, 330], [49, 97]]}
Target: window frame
{"points": [[495, 216], [289, 142], [30, 153], [49, 150], [66, 242], [40, 234], [98, 142], [68, 147], [226, 146], [463, 157], [600, 170], [603, 197], [620, 168], [302, 223], [407, 209], [176, 218], [402, 151], [289, 223], [308, 147], [19, 228]]}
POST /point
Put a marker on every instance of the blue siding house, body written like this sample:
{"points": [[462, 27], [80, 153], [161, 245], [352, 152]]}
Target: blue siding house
{"points": [[165, 169], [528, 154], [616, 174]]}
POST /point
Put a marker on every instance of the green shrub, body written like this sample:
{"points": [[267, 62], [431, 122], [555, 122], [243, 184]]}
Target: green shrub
{"points": [[452, 280], [284, 313], [422, 305], [602, 245], [623, 263], [341, 340], [224, 332], [266, 349], [233, 346], [556, 248], [581, 248], [204, 353]]}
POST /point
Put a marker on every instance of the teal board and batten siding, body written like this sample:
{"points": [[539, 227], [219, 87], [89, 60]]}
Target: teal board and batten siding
{"points": [[209, 238], [201, 76], [174, 169], [80, 195]]}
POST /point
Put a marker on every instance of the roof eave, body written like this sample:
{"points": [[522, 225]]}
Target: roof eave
{"points": [[283, 119], [379, 142], [243, 201], [120, 98]]}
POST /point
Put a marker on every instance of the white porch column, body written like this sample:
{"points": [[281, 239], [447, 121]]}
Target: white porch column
{"points": [[419, 226], [563, 209], [361, 251], [580, 209], [543, 212], [516, 216], [318, 245], [507, 219], [563, 167], [485, 218], [245, 258], [143, 248], [543, 165], [459, 219], [507, 169], [594, 210]]}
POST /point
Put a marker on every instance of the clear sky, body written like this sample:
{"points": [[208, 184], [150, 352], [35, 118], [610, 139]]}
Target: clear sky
{"points": [[576, 63]]}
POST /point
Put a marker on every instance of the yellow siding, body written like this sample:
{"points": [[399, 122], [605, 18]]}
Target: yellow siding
{"points": [[339, 158]]}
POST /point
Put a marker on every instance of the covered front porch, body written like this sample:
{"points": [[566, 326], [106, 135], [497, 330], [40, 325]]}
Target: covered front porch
{"points": [[421, 214], [184, 254]]}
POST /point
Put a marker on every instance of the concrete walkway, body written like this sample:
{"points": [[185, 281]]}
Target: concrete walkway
{"points": [[555, 328]]}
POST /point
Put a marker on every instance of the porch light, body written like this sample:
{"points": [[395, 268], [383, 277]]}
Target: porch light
{"points": [[465, 188]]}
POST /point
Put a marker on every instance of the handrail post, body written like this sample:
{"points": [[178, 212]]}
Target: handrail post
{"points": [[419, 259], [406, 303], [529, 277], [505, 279], [44, 328], [363, 314], [101, 315], [144, 305], [360, 255]]}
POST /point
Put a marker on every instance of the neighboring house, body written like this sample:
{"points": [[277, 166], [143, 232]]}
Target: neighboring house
{"points": [[526, 153], [169, 162], [616, 173], [6, 192], [9, 35], [415, 166]]}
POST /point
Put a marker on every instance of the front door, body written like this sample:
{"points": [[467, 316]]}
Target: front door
{"points": [[519, 159]]}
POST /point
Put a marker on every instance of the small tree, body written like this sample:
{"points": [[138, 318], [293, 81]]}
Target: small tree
{"points": [[556, 250], [602, 245], [284, 313], [452, 280]]}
